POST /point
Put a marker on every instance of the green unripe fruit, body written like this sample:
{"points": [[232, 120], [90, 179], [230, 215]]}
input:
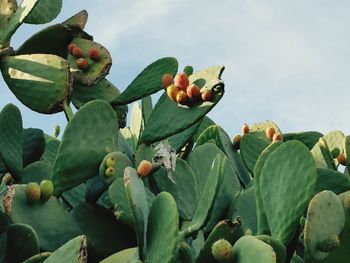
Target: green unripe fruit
{"points": [[33, 193], [222, 251], [110, 171], [110, 162], [46, 188], [57, 131], [188, 70]]}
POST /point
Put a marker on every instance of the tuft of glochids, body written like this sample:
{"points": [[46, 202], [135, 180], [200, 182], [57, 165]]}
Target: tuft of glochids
{"points": [[182, 92], [82, 62]]}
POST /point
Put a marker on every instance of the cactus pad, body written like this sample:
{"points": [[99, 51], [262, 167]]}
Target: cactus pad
{"points": [[44, 12]]}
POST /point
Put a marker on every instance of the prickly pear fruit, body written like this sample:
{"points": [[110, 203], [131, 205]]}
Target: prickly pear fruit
{"points": [[222, 251], [207, 95], [245, 128], [342, 159], [167, 80], [182, 98], [94, 54], [277, 137], [77, 52], [46, 188], [329, 245], [144, 168], [110, 162], [270, 132], [57, 131], [194, 92], [71, 46], [110, 171], [182, 81], [335, 152], [82, 64], [172, 91], [236, 142], [33, 193]]}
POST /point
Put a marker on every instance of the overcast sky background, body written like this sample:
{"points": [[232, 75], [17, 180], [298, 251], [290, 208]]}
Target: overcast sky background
{"points": [[286, 61]]}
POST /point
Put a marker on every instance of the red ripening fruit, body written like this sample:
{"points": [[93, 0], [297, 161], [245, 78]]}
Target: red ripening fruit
{"points": [[82, 64], [182, 81], [172, 91], [194, 92], [270, 132], [167, 80], [77, 52], [70, 47], [144, 168], [277, 137], [94, 54], [342, 159], [207, 95], [182, 98], [245, 128]]}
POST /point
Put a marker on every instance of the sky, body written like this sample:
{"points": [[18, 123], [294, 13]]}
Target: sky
{"points": [[286, 61]]}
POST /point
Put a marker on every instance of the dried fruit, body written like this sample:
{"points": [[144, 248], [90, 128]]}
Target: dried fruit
{"points": [[33, 193], [46, 188], [270, 132], [182, 98], [222, 251], [207, 95], [77, 52], [236, 142], [172, 91], [82, 64], [182, 81], [110, 171], [342, 159], [167, 80], [144, 168], [245, 128], [71, 46], [194, 92], [94, 54]]}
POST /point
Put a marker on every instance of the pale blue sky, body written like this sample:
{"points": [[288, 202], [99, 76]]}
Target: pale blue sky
{"points": [[287, 61]]}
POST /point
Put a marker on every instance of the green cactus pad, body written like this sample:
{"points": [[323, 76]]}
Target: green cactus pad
{"points": [[328, 179], [74, 251], [41, 82], [33, 145], [22, 242], [3, 243], [51, 149], [205, 123], [137, 198], [244, 208], [77, 20], [38, 258], [97, 69], [289, 169], [16, 19], [86, 143], [125, 147], [121, 162], [251, 147], [183, 189], [279, 248], [149, 81], [44, 12], [75, 196], [207, 200], [118, 196], [230, 231], [102, 230], [179, 140], [259, 129], [103, 90], [320, 226], [184, 253], [249, 249], [36, 172], [159, 126], [123, 256], [162, 229], [223, 141], [262, 224], [136, 120], [7, 9], [50, 232], [309, 138], [11, 138]]}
